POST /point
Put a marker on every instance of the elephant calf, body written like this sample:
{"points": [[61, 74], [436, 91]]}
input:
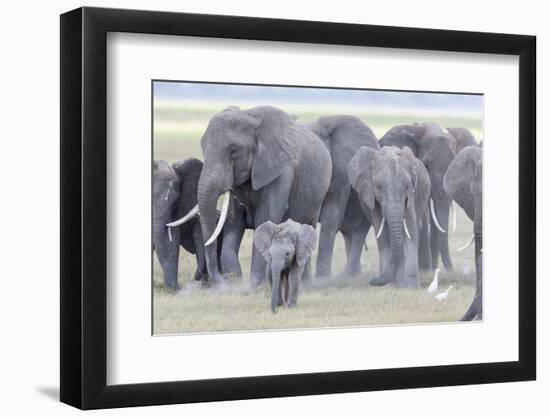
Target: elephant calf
{"points": [[286, 248]]}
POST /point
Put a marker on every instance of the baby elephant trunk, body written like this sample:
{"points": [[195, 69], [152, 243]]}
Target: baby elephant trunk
{"points": [[277, 266], [276, 282]]}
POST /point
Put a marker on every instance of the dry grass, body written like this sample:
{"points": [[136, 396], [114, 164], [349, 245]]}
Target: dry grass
{"points": [[329, 303]]}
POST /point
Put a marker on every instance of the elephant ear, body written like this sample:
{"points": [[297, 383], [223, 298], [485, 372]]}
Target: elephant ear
{"points": [[262, 238], [273, 147], [305, 243], [360, 174], [462, 170]]}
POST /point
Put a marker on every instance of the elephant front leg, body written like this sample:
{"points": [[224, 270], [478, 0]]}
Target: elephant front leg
{"points": [[439, 241], [232, 238], [358, 236], [168, 255], [330, 219], [424, 252], [434, 244], [212, 266], [201, 272], [410, 267], [294, 278]]}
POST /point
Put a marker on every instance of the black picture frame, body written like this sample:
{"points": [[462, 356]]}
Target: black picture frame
{"points": [[84, 207]]}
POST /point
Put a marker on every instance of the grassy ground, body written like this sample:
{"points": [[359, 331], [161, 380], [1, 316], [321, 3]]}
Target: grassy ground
{"points": [[329, 303]]}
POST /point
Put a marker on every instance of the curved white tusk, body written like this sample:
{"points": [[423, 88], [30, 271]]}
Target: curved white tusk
{"points": [[453, 215], [381, 228], [192, 213], [219, 226], [169, 233], [434, 217], [467, 244], [406, 230]]}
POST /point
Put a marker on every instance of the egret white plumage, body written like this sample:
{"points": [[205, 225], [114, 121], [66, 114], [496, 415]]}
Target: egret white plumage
{"points": [[435, 282], [442, 296]]}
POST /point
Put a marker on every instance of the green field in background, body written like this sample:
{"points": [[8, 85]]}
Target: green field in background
{"points": [[178, 127]]}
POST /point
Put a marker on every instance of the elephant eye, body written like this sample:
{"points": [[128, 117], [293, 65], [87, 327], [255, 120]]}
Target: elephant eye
{"points": [[233, 151]]}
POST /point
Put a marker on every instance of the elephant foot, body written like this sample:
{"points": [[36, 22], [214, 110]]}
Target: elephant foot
{"points": [[199, 275], [231, 269], [380, 280], [474, 312], [255, 283], [350, 273], [323, 272], [211, 280], [171, 287]]}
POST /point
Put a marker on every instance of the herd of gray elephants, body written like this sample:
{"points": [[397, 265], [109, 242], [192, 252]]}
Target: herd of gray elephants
{"points": [[283, 178]]}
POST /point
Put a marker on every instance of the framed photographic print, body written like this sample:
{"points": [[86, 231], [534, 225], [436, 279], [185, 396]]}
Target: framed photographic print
{"points": [[258, 207]]}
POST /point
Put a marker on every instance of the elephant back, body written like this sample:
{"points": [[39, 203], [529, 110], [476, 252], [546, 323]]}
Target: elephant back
{"points": [[463, 137], [346, 135]]}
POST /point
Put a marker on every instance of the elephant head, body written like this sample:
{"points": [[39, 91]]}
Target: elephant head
{"points": [[393, 185], [436, 149], [465, 178], [286, 247], [165, 240], [239, 147]]}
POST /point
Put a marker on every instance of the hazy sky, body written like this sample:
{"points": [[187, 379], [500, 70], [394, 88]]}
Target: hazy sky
{"points": [[313, 96]]}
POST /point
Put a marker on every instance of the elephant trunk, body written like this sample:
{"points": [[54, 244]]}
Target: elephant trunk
{"points": [[208, 192], [275, 283], [396, 226]]}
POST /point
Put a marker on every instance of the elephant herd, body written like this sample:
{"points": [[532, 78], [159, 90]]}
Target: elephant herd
{"points": [[282, 178]]}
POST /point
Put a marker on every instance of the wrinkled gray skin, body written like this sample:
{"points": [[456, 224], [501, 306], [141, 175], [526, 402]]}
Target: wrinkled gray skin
{"points": [[464, 182], [341, 211], [463, 138], [286, 248], [436, 149], [166, 194], [392, 184], [174, 195], [282, 168], [190, 236]]}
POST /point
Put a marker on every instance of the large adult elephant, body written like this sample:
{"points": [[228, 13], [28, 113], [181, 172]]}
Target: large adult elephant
{"points": [[282, 167], [188, 226], [165, 241], [464, 182], [343, 136], [393, 187], [174, 194], [436, 149]]}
